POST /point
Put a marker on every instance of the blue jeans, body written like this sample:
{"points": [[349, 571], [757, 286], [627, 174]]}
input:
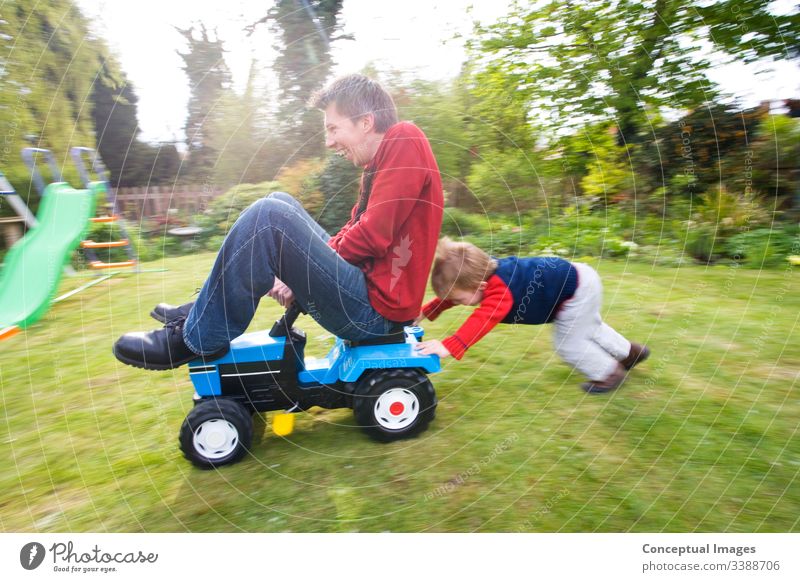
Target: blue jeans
{"points": [[276, 237]]}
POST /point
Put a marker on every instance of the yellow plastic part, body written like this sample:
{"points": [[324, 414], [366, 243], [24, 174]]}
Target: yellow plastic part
{"points": [[283, 423], [90, 244], [101, 265]]}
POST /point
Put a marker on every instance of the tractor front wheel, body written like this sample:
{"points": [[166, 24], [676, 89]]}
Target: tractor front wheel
{"points": [[216, 432]]}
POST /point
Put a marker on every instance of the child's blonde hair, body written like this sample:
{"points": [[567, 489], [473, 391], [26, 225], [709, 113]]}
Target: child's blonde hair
{"points": [[459, 265]]}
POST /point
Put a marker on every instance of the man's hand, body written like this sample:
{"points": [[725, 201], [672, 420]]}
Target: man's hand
{"points": [[281, 293], [419, 319], [432, 347]]}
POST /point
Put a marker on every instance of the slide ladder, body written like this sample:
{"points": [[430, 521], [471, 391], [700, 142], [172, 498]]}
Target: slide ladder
{"points": [[90, 246]]}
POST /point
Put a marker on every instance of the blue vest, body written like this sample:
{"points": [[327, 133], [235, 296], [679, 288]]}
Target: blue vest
{"points": [[538, 284]]}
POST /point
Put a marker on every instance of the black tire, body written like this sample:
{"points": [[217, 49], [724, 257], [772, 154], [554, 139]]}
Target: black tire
{"points": [[408, 390], [215, 433]]}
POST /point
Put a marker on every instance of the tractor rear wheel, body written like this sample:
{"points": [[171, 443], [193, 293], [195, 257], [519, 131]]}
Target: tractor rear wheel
{"points": [[394, 404]]}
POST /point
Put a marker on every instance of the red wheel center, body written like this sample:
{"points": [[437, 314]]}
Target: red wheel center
{"points": [[396, 408]]}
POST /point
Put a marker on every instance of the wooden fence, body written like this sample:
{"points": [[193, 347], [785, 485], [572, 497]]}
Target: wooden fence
{"points": [[138, 203]]}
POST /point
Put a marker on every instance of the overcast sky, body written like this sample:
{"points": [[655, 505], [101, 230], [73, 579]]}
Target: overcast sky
{"points": [[415, 36]]}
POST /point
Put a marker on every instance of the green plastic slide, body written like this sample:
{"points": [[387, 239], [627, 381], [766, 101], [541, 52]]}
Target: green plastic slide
{"points": [[33, 266]]}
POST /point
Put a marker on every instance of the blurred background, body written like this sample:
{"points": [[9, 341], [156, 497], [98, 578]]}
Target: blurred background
{"points": [[668, 113]]}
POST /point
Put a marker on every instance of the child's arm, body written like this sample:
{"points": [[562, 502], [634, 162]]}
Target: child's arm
{"points": [[496, 304], [433, 308]]}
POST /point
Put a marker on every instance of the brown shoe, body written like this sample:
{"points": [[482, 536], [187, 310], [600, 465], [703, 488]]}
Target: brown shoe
{"points": [[638, 353], [602, 386]]}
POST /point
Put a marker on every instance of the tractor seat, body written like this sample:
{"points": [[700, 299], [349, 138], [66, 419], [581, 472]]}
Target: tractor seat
{"points": [[396, 335]]}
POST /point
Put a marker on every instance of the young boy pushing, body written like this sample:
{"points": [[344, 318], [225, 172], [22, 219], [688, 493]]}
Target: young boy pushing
{"points": [[530, 291]]}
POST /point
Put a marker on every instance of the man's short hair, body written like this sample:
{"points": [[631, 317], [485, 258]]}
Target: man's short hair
{"points": [[459, 265], [355, 96]]}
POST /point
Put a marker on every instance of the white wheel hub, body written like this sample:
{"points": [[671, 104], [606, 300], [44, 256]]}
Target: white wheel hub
{"points": [[396, 409], [216, 438]]}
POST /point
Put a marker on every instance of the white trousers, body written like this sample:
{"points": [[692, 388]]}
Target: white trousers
{"points": [[580, 336]]}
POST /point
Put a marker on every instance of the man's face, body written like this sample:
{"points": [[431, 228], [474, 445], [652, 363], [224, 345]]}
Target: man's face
{"points": [[348, 137]]}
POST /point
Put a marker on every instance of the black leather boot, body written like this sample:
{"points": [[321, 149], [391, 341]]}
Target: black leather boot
{"points": [[162, 349], [164, 312]]}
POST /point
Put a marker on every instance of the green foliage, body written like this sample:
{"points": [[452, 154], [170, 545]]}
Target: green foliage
{"points": [[339, 183], [774, 157], [582, 232], [731, 212], [301, 180], [327, 189], [762, 247], [625, 59], [717, 228], [224, 210], [48, 65], [503, 241], [457, 223], [705, 148], [507, 180], [703, 242], [442, 112], [63, 88], [609, 175], [499, 109]]}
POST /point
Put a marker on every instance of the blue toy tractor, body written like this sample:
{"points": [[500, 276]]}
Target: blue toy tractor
{"points": [[384, 381]]}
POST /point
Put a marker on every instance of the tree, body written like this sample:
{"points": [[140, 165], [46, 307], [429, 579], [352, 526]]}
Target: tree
{"points": [[774, 158], [625, 59], [130, 161], [508, 169], [440, 110], [234, 134], [305, 28], [209, 80], [708, 148], [48, 65]]}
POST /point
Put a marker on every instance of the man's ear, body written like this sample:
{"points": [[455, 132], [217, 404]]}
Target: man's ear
{"points": [[367, 122], [483, 286]]}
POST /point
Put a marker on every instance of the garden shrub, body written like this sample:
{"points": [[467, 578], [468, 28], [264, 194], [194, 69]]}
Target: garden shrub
{"points": [[457, 223], [339, 184], [700, 242], [223, 211], [759, 248], [301, 180]]}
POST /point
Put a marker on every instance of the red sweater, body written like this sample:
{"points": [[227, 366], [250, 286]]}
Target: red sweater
{"points": [[496, 304], [394, 239]]}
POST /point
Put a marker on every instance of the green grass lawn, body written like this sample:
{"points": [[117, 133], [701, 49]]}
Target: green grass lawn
{"points": [[702, 437]]}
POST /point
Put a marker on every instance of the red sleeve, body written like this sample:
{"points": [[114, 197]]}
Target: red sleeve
{"points": [[433, 308], [497, 303], [401, 174]]}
